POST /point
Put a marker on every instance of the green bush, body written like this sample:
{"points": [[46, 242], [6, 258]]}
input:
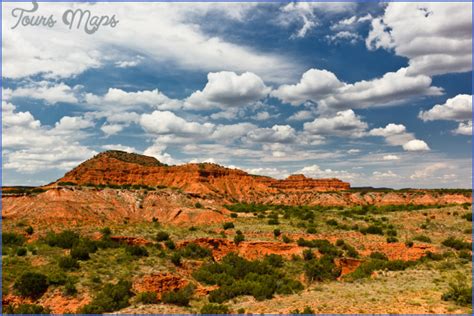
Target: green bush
{"points": [[111, 298], [29, 230], [57, 278], [391, 232], [180, 297], [65, 239], [136, 251], [26, 309], [306, 311], [21, 252], [274, 260], [308, 254], [367, 268], [195, 251], [286, 239], [68, 263], [321, 269], [238, 238], [162, 236], [70, 288], [198, 205], [409, 243], [12, 239], [324, 246], [459, 292], [176, 259], [228, 225], [237, 276], [392, 239], [276, 232], [466, 255], [273, 221], [147, 298], [422, 238], [31, 284], [170, 244], [468, 217], [80, 252], [332, 222], [456, 244], [106, 231], [215, 309], [311, 230], [233, 215], [372, 229], [379, 256]]}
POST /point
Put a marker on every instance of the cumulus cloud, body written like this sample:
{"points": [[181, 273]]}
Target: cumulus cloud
{"points": [[416, 145], [387, 174], [390, 157], [121, 147], [343, 37], [458, 108], [303, 115], [73, 123], [344, 123], [157, 150], [315, 171], [276, 134], [464, 129], [163, 32], [429, 170], [330, 94], [270, 172], [166, 122], [227, 89], [50, 92], [436, 37]]}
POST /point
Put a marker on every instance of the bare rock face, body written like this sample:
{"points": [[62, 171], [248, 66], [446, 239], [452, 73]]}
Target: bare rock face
{"points": [[120, 168]]}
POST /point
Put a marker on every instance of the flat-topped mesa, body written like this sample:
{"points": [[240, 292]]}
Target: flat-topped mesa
{"points": [[298, 182]]}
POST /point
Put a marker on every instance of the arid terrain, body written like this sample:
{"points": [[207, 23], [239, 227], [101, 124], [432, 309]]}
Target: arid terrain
{"points": [[124, 233]]}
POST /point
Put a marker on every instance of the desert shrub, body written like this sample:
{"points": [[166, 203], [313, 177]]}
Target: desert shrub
{"points": [[195, 251], [339, 242], [286, 239], [239, 237], [176, 259], [21, 252], [409, 243], [372, 229], [65, 239], [321, 269], [311, 230], [379, 256], [147, 298], [468, 217], [324, 246], [111, 298], [308, 254], [274, 260], [162, 236], [31, 284], [456, 244], [170, 244], [332, 222], [391, 239], [180, 297], [276, 232], [106, 231], [237, 276], [367, 268], [198, 205], [136, 251], [306, 311], [422, 238], [215, 309], [273, 221], [68, 263], [228, 225], [466, 255], [433, 256], [391, 232], [29, 230], [57, 278], [80, 252], [459, 292], [233, 215], [70, 288], [12, 239], [26, 309]]}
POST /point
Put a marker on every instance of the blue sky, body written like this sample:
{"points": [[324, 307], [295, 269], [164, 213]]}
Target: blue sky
{"points": [[374, 94]]}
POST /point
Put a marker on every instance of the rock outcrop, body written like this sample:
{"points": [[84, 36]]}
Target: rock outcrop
{"points": [[298, 182]]}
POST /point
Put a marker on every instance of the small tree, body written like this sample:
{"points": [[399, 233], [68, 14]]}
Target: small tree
{"points": [[31, 284]]}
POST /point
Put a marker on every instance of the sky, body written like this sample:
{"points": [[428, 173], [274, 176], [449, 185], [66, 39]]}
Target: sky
{"points": [[370, 93]]}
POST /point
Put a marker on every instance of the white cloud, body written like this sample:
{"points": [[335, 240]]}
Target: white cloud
{"points": [[416, 145], [390, 157], [163, 32], [429, 170], [324, 88], [353, 151], [389, 130], [303, 115], [276, 134], [464, 129], [458, 108], [227, 89], [344, 123], [111, 129], [132, 62], [388, 174], [344, 36], [436, 37], [270, 172], [314, 171], [166, 122], [157, 150], [73, 123], [230, 133], [120, 147], [50, 92]]}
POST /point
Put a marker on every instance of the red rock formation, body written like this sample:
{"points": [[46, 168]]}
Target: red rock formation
{"points": [[298, 182], [159, 283]]}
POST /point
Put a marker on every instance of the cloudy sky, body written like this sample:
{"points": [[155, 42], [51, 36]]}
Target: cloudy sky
{"points": [[374, 94]]}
